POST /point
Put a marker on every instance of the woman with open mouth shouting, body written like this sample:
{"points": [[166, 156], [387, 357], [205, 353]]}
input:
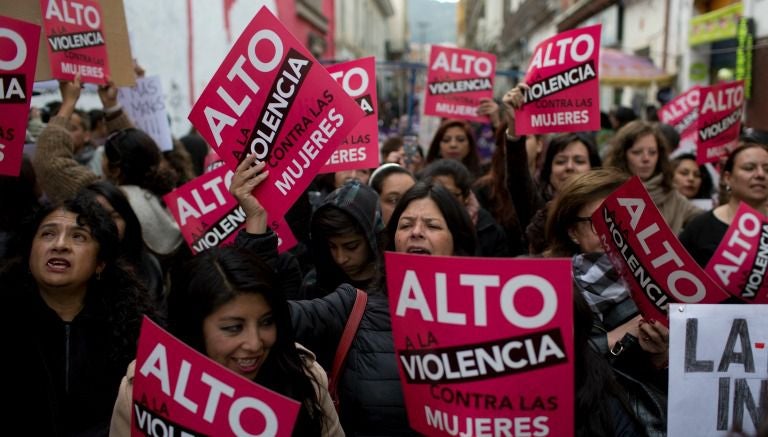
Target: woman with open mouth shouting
{"points": [[428, 220]]}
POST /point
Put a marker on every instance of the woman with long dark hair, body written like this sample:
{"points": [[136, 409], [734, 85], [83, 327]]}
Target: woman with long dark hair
{"points": [[454, 140], [427, 220], [73, 319], [227, 304]]}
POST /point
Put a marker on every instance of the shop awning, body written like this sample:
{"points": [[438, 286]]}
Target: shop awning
{"points": [[622, 69]]}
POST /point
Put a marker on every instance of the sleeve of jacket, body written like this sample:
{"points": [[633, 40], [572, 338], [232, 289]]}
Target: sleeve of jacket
{"points": [[520, 181], [121, 414], [285, 265], [319, 323], [60, 176]]}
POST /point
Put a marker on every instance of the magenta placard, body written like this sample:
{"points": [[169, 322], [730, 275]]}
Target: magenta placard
{"points": [[649, 256], [564, 94], [177, 389], [360, 148], [456, 81], [74, 31], [209, 216], [271, 98], [719, 120], [740, 262], [484, 346], [18, 58], [682, 113]]}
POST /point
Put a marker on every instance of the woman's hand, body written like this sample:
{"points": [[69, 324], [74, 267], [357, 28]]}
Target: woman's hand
{"points": [[108, 94], [247, 177], [489, 108], [70, 94], [513, 100], [654, 339]]}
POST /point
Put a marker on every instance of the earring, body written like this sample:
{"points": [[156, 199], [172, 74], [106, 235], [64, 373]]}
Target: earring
{"points": [[98, 276], [728, 188]]}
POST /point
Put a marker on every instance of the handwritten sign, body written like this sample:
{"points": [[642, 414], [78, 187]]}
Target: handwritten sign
{"points": [[456, 81], [564, 94], [209, 216], [719, 121], [682, 113], [18, 56], [740, 262], [179, 391], [271, 98], [718, 379], [145, 104], [360, 148], [484, 346], [651, 259], [75, 35]]}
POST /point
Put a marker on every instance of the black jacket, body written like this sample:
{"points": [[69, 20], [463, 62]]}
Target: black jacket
{"points": [[63, 374], [370, 396]]}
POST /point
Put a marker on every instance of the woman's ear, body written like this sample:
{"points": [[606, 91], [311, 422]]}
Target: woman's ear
{"points": [[572, 236]]}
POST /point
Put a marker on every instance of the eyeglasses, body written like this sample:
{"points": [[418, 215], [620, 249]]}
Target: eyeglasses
{"points": [[586, 219]]}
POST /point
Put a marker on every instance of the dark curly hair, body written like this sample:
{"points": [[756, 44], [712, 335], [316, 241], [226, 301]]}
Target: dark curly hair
{"points": [[121, 299], [217, 276]]}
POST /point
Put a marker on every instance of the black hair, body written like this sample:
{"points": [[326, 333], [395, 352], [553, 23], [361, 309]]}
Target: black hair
{"points": [[455, 215], [707, 185], [557, 144], [449, 167], [137, 156], [121, 299], [214, 278], [382, 173], [132, 243], [331, 221]]}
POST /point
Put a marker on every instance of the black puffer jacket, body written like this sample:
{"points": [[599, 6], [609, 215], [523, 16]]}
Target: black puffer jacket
{"points": [[370, 395]]}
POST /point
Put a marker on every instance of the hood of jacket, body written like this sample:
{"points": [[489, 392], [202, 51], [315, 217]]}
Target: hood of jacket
{"points": [[361, 203]]}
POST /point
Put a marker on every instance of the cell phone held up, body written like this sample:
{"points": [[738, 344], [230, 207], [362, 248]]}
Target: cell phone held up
{"points": [[410, 148]]}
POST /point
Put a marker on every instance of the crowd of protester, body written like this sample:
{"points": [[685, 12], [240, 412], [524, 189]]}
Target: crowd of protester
{"points": [[89, 247]]}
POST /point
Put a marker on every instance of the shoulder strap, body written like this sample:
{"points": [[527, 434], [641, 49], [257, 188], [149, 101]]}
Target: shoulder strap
{"points": [[350, 329]]}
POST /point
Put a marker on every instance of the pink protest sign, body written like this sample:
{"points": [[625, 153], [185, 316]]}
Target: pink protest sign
{"points": [[75, 35], [456, 81], [360, 148], [209, 216], [179, 391], [740, 262], [682, 113], [18, 57], [649, 256], [719, 120], [271, 98], [564, 94], [496, 331]]}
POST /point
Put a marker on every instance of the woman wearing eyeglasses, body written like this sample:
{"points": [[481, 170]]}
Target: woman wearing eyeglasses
{"points": [[616, 321]]}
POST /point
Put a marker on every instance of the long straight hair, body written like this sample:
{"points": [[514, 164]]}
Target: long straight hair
{"points": [[214, 278]]}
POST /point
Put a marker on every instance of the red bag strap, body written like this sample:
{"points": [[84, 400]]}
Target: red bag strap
{"points": [[350, 329]]}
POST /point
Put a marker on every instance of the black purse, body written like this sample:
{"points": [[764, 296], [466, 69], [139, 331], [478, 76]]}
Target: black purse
{"points": [[644, 387]]}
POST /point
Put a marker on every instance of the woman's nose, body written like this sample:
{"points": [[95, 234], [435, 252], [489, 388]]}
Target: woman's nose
{"points": [[252, 340]]}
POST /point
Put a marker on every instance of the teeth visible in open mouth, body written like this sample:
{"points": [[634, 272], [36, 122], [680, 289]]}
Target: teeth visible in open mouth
{"points": [[246, 363], [418, 250]]}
